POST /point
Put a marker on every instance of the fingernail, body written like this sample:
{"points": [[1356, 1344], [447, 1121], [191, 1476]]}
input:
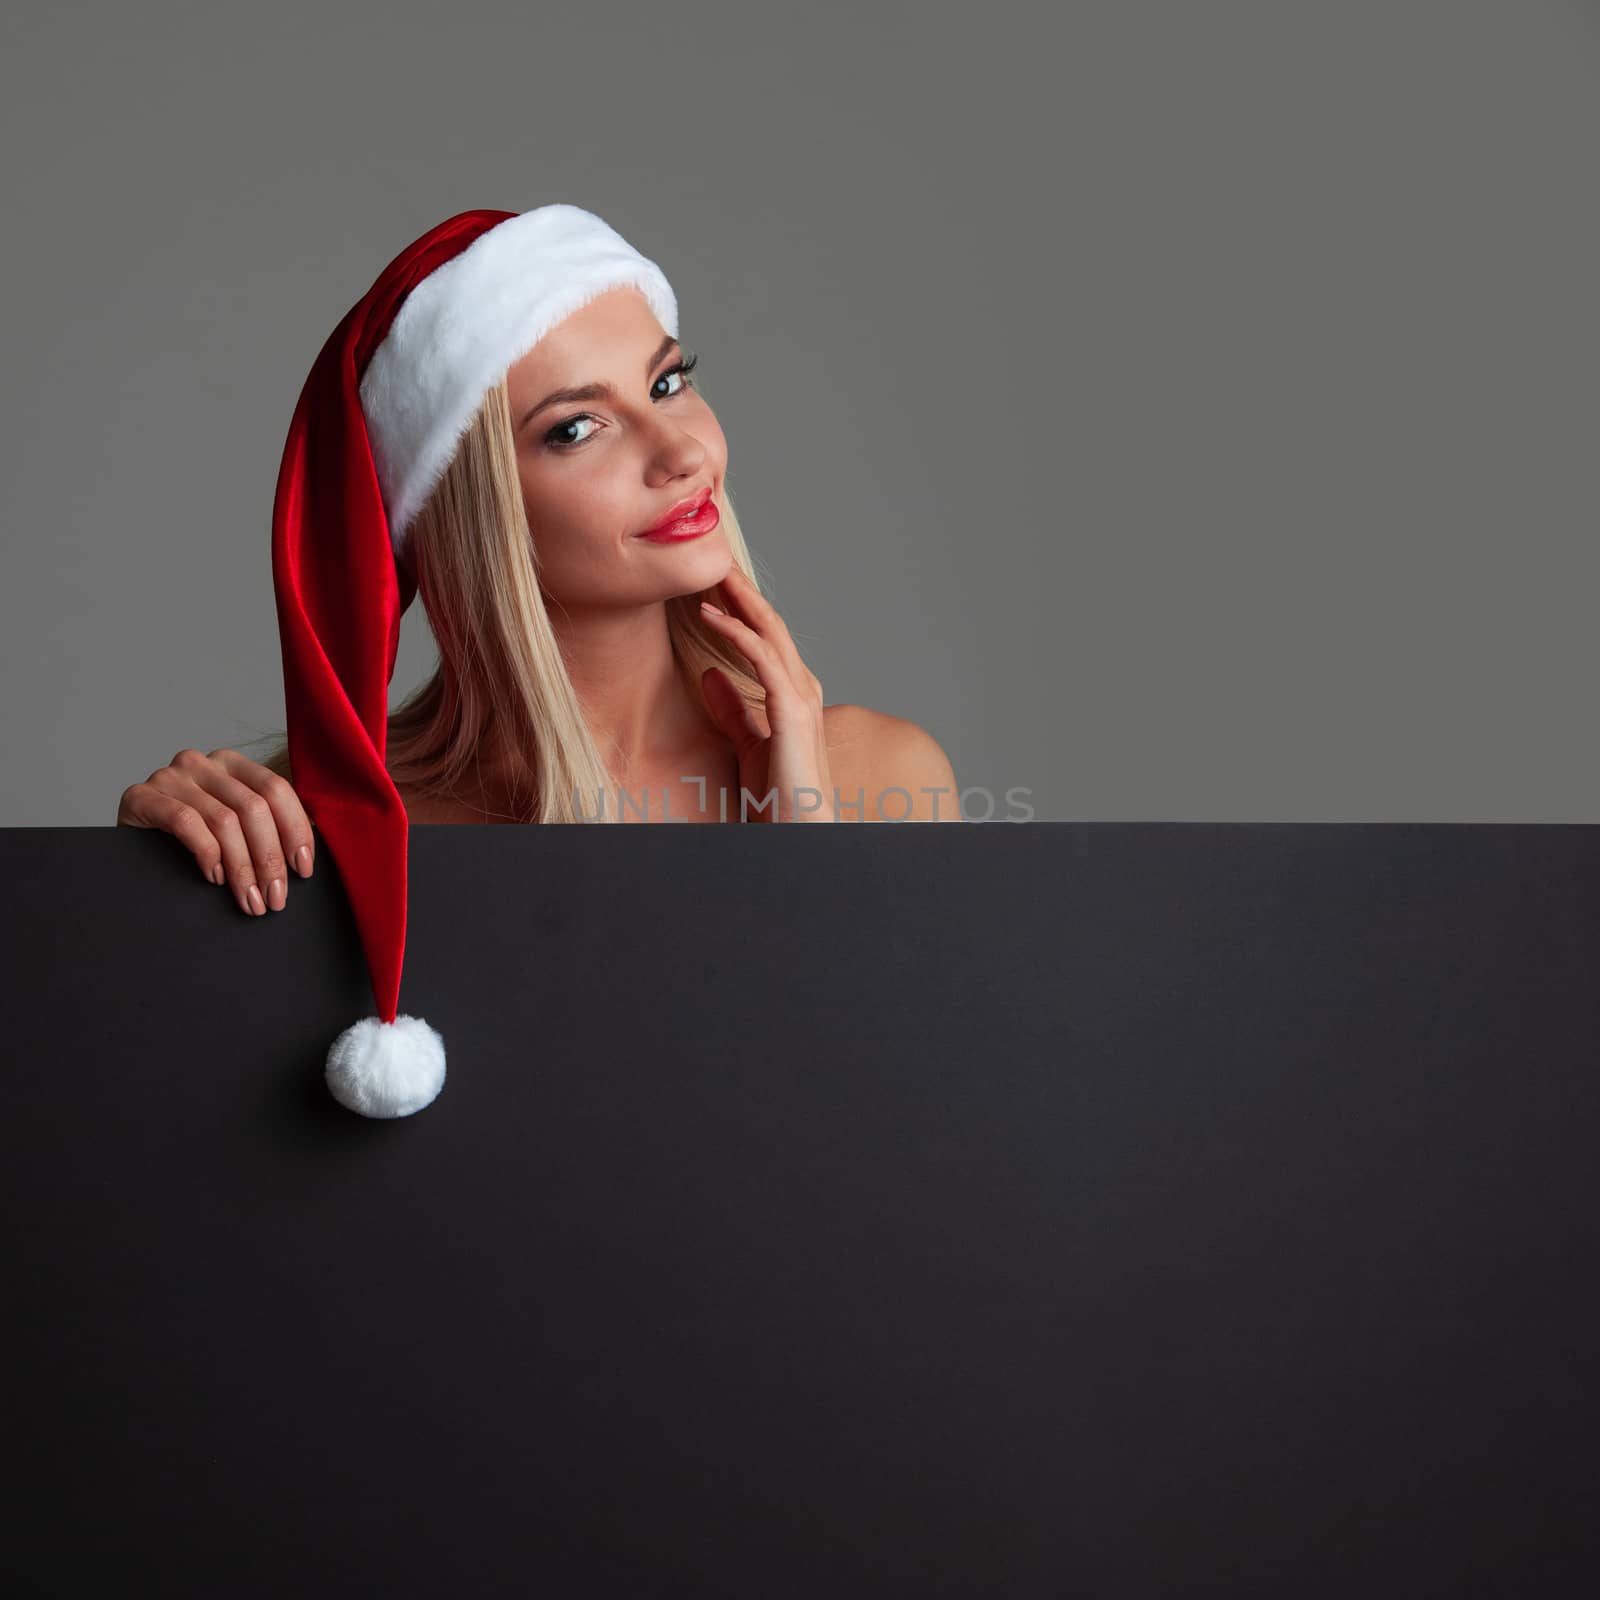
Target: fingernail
{"points": [[277, 894], [706, 605], [217, 874], [302, 861], [253, 895]]}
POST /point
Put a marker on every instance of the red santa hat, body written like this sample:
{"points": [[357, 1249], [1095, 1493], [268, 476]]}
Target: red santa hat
{"points": [[380, 417]]}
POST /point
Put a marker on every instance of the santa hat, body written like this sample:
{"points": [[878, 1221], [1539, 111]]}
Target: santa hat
{"points": [[387, 403]]}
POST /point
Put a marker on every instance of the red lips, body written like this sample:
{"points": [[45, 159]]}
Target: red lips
{"points": [[686, 520]]}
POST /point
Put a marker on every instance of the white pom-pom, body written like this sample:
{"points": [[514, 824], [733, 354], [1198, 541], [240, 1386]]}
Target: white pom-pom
{"points": [[386, 1069]]}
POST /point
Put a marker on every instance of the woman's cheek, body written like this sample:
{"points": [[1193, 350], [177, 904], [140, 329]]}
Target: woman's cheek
{"points": [[577, 559]]}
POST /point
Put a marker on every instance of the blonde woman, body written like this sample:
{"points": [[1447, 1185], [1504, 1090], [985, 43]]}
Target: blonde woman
{"points": [[605, 651]]}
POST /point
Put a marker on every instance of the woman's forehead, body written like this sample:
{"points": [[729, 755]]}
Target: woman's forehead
{"points": [[614, 331]]}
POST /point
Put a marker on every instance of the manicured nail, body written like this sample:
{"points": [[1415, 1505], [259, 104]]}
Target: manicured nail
{"points": [[302, 861], [277, 894], [218, 875], [706, 605], [253, 895]]}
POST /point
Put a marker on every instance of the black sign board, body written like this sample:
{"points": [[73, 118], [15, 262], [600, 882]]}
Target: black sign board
{"points": [[1007, 1210]]}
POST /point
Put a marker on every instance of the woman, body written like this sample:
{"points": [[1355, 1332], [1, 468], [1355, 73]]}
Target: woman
{"points": [[567, 559], [580, 677]]}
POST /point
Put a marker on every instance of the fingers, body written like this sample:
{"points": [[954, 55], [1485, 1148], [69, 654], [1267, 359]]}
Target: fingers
{"points": [[153, 805], [237, 818], [786, 704], [244, 825], [735, 719], [757, 611], [293, 825]]}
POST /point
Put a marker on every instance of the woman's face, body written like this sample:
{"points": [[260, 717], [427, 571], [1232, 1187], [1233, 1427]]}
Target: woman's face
{"points": [[599, 470]]}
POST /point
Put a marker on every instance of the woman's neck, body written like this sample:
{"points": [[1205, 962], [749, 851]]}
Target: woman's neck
{"points": [[646, 723], [633, 693]]}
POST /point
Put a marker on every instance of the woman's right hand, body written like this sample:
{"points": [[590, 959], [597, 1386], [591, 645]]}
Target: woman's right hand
{"points": [[239, 819]]}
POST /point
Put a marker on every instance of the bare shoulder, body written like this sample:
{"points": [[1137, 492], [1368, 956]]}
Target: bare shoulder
{"points": [[879, 754], [844, 726]]}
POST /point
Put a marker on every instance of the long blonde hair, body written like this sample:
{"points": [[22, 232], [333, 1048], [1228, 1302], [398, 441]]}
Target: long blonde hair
{"points": [[500, 674]]}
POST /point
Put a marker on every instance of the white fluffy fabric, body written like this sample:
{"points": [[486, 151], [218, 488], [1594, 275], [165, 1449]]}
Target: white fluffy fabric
{"points": [[458, 331], [386, 1069]]}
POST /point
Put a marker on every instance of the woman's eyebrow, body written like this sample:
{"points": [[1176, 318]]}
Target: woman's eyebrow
{"points": [[595, 391]]}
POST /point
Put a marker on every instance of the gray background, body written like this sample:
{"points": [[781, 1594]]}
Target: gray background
{"points": [[1187, 411]]}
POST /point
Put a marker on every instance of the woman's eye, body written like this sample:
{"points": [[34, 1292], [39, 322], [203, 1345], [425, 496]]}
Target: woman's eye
{"points": [[556, 439], [681, 370]]}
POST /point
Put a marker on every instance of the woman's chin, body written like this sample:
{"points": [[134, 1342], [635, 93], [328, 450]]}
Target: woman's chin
{"points": [[698, 563]]}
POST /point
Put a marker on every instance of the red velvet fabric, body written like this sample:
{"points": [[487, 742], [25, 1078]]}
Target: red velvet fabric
{"points": [[340, 597]]}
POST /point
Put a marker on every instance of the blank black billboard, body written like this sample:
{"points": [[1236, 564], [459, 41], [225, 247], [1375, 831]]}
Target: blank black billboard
{"points": [[1017, 1210]]}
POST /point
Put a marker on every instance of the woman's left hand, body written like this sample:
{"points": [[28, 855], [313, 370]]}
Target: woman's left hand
{"points": [[791, 758]]}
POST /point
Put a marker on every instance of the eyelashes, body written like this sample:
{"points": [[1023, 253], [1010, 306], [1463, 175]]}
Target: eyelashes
{"points": [[683, 368]]}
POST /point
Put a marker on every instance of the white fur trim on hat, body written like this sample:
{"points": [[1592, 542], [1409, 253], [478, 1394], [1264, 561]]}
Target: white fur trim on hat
{"points": [[457, 332]]}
